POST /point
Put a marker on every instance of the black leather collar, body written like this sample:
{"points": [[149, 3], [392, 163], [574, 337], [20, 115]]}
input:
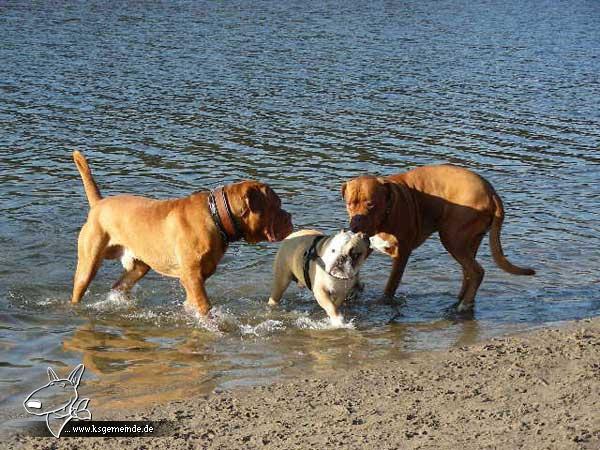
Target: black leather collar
{"points": [[227, 238]]}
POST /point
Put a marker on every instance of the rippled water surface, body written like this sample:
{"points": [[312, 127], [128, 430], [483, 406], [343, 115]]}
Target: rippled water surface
{"points": [[169, 98]]}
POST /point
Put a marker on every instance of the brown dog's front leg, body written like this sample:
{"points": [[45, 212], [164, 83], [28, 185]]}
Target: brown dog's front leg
{"points": [[195, 293], [398, 265]]}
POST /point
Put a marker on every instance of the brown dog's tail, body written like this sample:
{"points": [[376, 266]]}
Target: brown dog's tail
{"points": [[496, 245], [91, 189]]}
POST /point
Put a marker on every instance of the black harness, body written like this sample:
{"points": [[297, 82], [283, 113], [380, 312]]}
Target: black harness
{"points": [[311, 255]]}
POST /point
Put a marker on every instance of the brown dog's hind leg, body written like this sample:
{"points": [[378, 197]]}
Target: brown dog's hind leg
{"points": [[90, 253], [463, 287], [130, 277], [398, 265], [463, 248], [473, 248]]}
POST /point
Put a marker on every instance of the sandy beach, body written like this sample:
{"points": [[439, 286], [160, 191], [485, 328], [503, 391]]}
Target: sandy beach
{"points": [[538, 390]]}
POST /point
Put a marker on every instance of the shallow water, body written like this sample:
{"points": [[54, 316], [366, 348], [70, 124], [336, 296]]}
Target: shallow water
{"points": [[170, 98]]}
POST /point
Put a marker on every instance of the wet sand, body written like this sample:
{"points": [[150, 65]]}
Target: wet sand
{"points": [[538, 390]]}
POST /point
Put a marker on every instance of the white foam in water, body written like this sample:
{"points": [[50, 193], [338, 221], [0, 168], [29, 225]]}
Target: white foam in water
{"points": [[143, 315], [208, 323], [224, 316], [219, 321], [263, 328], [47, 302], [115, 300], [216, 320], [306, 322]]}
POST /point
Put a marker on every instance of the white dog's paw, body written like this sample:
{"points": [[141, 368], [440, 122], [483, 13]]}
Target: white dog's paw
{"points": [[379, 244], [272, 302], [337, 321]]}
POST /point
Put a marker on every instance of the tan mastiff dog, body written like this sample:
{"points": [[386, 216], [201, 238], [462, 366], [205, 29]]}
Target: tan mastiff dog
{"points": [[404, 210], [183, 237]]}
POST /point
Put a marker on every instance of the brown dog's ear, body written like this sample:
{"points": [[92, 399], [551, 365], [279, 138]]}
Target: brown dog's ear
{"points": [[253, 200], [344, 191], [392, 194]]}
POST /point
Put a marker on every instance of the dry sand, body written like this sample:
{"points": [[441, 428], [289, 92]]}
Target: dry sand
{"points": [[539, 390]]}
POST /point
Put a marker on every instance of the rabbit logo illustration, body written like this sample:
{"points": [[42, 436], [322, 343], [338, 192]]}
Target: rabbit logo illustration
{"points": [[59, 401]]}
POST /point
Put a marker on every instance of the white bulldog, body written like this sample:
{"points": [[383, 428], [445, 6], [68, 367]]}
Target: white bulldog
{"points": [[327, 265]]}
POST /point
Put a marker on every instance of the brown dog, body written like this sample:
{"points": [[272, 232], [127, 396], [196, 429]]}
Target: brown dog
{"points": [[405, 209], [183, 238]]}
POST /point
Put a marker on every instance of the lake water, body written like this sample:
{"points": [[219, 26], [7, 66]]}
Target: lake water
{"points": [[168, 98]]}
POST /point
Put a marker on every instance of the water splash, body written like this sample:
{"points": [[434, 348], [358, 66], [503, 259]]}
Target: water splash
{"points": [[114, 301], [306, 322], [262, 329]]}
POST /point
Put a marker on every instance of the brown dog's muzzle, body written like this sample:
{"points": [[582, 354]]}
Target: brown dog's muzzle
{"points": [[359, 223], [281, 227], [288, 227]]}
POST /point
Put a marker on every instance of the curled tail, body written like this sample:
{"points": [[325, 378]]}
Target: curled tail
{"points": [[91, 189], [496, 245]]}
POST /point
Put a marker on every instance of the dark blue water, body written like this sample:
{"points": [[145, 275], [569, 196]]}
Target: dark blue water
{"points": [[169, 98]]}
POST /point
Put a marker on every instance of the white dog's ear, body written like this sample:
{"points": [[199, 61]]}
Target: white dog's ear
{"points": [[52, 374], [75, 375]]}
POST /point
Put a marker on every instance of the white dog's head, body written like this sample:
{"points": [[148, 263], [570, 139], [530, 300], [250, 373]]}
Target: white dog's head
{"points": [[344, 254]]}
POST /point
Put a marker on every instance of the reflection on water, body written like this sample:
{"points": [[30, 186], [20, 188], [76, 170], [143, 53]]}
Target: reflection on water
{"points": [[141, 364], [169, 99], [139, 369]]}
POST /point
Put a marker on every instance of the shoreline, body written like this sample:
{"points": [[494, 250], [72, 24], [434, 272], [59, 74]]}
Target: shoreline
{"points": [[535, 390]]}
